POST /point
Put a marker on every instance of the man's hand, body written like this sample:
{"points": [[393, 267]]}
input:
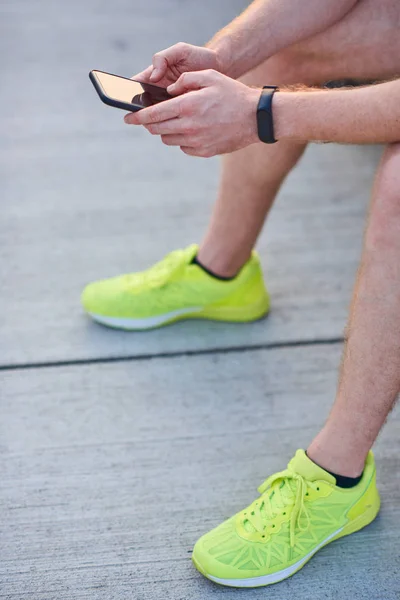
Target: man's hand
{"points": [[168, 65], [212, 114]]}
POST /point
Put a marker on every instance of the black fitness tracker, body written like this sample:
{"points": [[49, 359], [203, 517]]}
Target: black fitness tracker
{"points": [[265, 125]]}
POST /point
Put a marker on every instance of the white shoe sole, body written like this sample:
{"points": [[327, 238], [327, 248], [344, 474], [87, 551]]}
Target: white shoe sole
{"points": [[274, 577], [148, 322]]}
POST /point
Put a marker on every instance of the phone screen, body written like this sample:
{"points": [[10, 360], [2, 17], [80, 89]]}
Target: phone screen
{"points": [[129, 91]]}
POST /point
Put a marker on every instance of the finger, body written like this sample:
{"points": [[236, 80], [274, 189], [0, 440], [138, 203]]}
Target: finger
{"points": [[167, 58], [144, 76], [163, 111], [175, 126], [160, 66], [176, 140], [193, 80]]}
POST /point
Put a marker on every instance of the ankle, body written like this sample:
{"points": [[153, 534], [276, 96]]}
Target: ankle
{"points": [[336, 456], [197, 262], [220, 262]]}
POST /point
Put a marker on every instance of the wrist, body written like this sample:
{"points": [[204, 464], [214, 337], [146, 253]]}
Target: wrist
{"points": [[253, 100], [221, 47]]}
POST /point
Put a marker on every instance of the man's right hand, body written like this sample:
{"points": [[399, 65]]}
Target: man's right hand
{"points": [[168, 65]]}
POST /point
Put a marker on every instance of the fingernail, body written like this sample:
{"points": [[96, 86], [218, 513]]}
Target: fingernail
{"points": [[126, 118]]}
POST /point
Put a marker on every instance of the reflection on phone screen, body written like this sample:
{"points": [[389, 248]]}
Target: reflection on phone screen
{"points": [[129, 91]]}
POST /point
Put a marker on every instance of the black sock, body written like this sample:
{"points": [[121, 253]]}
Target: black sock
{"points": [[345, 482], [196, 261], [341, 480]]}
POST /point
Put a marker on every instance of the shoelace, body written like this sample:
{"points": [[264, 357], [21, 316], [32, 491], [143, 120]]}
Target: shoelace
{"points": [[271, 503], [159, 273]]}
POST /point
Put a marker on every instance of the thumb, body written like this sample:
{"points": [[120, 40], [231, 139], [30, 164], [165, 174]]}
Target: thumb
{"points": [[143, 76], [193, 80]]}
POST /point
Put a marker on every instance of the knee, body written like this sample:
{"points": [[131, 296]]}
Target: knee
{"points": [[388, 179], [288, 67], [384, 229], [393, 150]]}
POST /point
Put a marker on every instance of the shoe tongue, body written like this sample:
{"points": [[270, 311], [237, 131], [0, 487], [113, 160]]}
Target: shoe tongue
{"points": [[304, 466]]}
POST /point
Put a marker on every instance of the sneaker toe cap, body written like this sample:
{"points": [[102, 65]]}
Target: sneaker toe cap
{"points": [[215, 554], [103, 298]]}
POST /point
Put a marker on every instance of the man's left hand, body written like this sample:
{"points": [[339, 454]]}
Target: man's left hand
{"points": [[211, 114]]}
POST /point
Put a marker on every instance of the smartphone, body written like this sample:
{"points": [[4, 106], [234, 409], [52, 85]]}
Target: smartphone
{"points": [[125, 93]]}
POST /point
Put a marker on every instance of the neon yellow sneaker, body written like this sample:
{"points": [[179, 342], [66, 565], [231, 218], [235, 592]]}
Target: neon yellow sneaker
{"points": [[175, 289], [300, 510]]}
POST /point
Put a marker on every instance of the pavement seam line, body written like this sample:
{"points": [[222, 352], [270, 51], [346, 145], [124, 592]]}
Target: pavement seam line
{"points": [[176, 354]]}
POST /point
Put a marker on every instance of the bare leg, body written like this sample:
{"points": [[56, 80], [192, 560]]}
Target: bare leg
{"points": [[250, 182], [370, 378], [365, 45]]}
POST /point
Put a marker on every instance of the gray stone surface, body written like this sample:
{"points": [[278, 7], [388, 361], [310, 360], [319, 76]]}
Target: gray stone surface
{"points": [[111, 472], [85, 197]]}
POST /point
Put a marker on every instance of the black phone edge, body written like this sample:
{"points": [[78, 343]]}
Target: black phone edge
{"points": [[109, 101]]}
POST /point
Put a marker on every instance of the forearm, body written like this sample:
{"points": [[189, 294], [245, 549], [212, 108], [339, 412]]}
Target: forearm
{"points": [[364, 115], [268, 26]]}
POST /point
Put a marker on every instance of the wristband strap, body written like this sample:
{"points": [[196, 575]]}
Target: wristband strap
{"points": [[265, 123]]}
